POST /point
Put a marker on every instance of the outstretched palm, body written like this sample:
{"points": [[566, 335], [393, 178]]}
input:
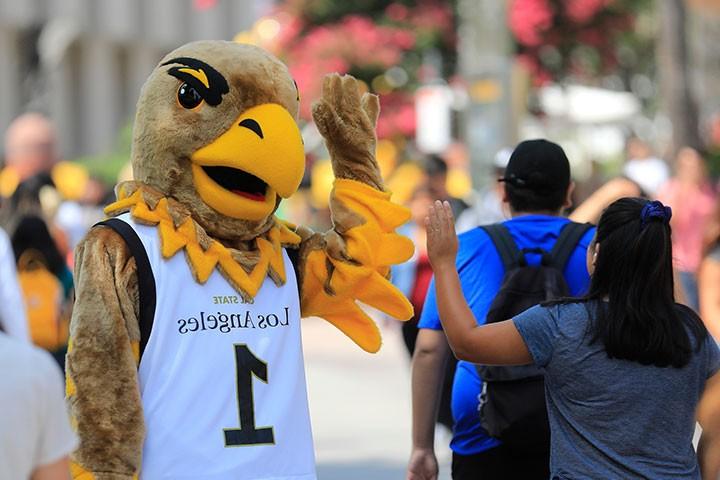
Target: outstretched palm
{"points": [[442, 241]]}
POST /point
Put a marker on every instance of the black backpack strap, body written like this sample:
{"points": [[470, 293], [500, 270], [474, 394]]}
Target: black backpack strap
{"points": [[566, 243], [146, 279], [294, 256], [509, 253]]}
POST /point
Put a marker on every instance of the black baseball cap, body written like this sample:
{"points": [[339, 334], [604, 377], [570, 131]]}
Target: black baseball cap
{"points": [[538, 165]]}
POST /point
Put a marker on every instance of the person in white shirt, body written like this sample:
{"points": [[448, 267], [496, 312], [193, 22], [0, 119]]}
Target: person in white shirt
{"points": [[648, 171], [642, 176], [35, 433], [486, 204]]}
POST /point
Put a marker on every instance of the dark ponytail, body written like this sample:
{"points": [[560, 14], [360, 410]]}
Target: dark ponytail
{"points": [[633, 271]]}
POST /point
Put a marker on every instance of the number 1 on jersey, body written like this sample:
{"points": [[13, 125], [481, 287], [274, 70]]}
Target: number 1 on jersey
{"points": [[247, 365]]}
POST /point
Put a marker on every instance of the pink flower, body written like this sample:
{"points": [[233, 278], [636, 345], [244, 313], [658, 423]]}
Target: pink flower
{"points": [[397, 12], [433, 16], [576, 26], [403, 39], [581, 11], [397, 116], [529, 19]]}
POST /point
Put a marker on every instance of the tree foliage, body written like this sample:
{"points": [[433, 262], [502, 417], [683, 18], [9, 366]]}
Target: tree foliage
{"points": [[581, 39], [385, 44]]}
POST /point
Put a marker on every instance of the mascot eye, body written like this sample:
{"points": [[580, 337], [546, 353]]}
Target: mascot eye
{"points": [[189, 97]]}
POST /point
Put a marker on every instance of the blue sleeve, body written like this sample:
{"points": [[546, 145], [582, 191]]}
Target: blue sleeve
{"points": [[429, 318], [576, 274], [480, 271], [538, 328]]}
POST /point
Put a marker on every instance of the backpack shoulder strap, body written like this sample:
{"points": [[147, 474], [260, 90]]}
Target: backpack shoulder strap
{"points": [[509, 253], [146, 279], [565, 245], [294, 256]]}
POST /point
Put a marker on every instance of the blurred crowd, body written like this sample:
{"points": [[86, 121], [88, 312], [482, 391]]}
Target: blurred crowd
{"points": [[48, 205], [684, 183]]}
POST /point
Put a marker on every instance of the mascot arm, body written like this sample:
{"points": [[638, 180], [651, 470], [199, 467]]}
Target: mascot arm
{"points": [[352, 261], [102, 361]]}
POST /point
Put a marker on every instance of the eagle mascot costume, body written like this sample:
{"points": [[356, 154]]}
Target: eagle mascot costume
{"points": [[185, 357]]}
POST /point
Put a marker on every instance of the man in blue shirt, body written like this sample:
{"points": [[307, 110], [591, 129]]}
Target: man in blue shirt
{"points": [[538, 189]]}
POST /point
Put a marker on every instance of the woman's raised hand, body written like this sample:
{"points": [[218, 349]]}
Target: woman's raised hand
{"points": [[442, 242]]}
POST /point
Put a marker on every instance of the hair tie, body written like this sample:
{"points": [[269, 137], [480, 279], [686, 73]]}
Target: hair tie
{"points": [[654, 209]]}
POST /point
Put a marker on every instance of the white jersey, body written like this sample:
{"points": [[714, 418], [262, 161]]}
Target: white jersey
{"points": [[222, 381]]}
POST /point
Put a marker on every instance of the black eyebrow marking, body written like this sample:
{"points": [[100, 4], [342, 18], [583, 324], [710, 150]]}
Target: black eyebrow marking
{"points": [[218, 86], [251, 124]]}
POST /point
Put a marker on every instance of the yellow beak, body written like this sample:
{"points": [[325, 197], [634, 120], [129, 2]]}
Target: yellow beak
{"points": [[264, 142]]}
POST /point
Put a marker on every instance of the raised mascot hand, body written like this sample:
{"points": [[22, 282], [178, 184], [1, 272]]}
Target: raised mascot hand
{"points": [[346, 119], [351, 262]]}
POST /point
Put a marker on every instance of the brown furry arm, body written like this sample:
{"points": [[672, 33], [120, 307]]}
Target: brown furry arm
{"points": [[102, 384]]}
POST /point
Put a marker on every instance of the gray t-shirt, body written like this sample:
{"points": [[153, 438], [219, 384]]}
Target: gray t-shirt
{"points": [[34, 425], [609, 418]]}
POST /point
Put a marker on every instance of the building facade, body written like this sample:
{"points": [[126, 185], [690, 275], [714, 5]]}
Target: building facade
{"points": [[82, 62]]}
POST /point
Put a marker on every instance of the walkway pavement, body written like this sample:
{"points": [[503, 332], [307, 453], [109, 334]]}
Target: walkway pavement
{"points": [[360, 406]]}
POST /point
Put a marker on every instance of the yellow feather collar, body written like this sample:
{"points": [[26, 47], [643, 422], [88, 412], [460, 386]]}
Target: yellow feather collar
{"points": [[245, 271]]}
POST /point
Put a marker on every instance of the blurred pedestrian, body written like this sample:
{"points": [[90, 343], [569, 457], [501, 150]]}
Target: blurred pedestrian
{"points": [[486, 204], [13, 320], [437, 172], [709, 417], [642, 167], [692, 199], [76, 217], [709, 275], [33, 179], [30, 154], [623, 364], [35, 196], [614, 189], [35, 433], [642, 176], [413, 278], [46, 283], [30, 146], [595, 180]]}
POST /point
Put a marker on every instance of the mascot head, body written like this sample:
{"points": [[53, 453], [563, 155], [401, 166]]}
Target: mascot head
{"points": [[216, 130]]}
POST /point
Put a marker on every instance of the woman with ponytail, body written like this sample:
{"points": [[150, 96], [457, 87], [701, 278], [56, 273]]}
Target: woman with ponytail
{"points": [[625, 365]]}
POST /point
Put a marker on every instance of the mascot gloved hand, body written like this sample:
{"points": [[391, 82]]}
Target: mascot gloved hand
{"points": [[185, 359]]}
